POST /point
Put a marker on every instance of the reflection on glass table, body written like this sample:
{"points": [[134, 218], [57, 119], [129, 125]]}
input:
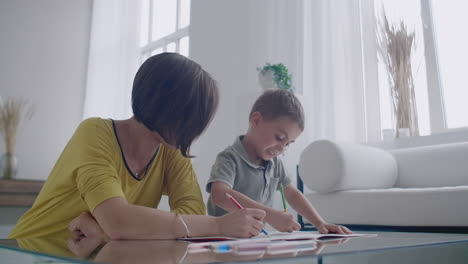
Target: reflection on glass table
{"points": [[9, 255], [143, 251], [386, 247]]}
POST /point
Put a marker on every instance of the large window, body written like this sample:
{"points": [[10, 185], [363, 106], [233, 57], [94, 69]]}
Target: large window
{"points": [[164, 27], [451, 43], [441, 91]]}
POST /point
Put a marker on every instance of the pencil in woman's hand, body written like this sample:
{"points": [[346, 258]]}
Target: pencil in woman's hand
{"points": [[240, 207]]}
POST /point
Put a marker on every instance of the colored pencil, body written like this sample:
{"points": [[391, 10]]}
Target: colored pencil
{"points": [[240, 207], [283, 197]]}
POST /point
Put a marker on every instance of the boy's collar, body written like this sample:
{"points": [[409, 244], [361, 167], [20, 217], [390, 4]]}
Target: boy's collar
{"points": [[238, 147]]}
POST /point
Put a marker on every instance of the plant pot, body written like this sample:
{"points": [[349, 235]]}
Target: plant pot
{"points": [[266, 79]]}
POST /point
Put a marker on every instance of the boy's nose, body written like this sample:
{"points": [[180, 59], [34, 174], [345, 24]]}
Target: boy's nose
{"points": [[283, 147], [280, 148]]}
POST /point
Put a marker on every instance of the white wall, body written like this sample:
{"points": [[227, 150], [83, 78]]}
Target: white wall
{"points": [[44, 51], [230, 39]]}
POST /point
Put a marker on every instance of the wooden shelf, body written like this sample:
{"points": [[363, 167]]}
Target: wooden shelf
{"points": [[19, 192]]}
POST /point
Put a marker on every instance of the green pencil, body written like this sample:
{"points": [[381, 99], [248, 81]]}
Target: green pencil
{"points": [[284, 198]]}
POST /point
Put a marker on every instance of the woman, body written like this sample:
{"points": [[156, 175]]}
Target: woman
{"points": [[118, 170]]}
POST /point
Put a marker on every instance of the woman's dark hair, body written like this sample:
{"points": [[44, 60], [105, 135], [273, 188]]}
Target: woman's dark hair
{"points": [[175, 97], [276, 103]]}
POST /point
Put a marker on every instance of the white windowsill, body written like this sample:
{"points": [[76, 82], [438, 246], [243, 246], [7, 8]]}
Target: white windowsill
{"points": [[445, 137]]}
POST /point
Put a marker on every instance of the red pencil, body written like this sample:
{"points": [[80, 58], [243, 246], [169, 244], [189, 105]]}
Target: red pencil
{"points": [[234, 201], [240, 207]]}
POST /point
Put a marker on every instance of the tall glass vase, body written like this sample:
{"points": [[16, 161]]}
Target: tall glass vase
{"points": [[404, 106], [8, 166]]}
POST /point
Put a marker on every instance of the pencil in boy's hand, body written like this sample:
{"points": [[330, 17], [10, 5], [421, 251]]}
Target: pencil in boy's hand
{"points": [[283, 197], [240, 207]]}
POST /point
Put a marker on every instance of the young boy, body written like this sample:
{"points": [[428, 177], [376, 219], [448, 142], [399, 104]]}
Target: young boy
{"points": [[251, 171]]}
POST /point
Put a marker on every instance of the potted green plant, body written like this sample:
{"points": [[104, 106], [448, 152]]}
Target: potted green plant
{"points": [[275, 76]]}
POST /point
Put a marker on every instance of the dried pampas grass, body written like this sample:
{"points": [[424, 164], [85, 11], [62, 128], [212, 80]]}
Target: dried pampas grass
{"points": [[395, 47], [12, 113]]}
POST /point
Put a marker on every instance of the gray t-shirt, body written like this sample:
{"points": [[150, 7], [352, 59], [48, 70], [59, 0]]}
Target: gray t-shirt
{"points": [[234, 168]]}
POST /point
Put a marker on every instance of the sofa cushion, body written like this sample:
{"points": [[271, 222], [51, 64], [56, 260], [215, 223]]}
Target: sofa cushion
{"points": [[432, 166], [441, 206], [327, 166]]}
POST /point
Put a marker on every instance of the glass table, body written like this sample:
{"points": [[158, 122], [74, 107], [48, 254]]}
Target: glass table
{"points": [[386, 247]]}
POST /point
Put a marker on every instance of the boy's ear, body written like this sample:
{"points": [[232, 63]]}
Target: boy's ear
{"points": [[255, 118]]}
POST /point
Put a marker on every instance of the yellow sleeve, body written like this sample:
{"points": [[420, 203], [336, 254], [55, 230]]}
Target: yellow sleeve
{"points": [[96, 174], [182, 185]]}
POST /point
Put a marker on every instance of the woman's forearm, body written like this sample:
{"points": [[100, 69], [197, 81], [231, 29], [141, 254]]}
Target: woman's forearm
{"points": [[121, 220]]}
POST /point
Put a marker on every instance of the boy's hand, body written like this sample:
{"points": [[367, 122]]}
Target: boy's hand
{"points": [[246, 222], [282, 221], [326, 228]]}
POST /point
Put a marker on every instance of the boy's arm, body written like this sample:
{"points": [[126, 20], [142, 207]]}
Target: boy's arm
{"points": [[218, 195], [280, 220], [303, 207], [223, 174]]}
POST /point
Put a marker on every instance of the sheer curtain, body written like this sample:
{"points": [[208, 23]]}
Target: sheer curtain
{"points": [[340, 70], [113, 58]]}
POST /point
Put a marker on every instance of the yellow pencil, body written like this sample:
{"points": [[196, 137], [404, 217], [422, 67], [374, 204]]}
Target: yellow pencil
{"points": [[284, 198]]}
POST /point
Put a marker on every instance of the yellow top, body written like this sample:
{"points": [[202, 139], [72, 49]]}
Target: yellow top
{"points": [[91, 169]]}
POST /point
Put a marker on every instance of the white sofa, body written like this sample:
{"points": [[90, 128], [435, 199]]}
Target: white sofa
{"points": [[359, 185]]}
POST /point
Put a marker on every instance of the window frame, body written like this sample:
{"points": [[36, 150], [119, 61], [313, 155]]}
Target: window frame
{"points": [[176, 36], [436, 102], [438, 121]]}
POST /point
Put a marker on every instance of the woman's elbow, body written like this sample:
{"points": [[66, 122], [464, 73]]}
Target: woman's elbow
{"points": [[113, 226]]}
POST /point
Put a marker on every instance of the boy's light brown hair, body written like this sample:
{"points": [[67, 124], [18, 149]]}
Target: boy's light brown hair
{"points": [[276, 103]]}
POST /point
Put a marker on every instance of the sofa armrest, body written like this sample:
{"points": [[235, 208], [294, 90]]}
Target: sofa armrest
{"points": [[327, 166]]}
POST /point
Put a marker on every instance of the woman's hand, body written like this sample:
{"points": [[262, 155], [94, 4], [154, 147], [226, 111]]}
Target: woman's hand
{"points": [[246, 222], [87, 235], [83, 247], [85, 226]]}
